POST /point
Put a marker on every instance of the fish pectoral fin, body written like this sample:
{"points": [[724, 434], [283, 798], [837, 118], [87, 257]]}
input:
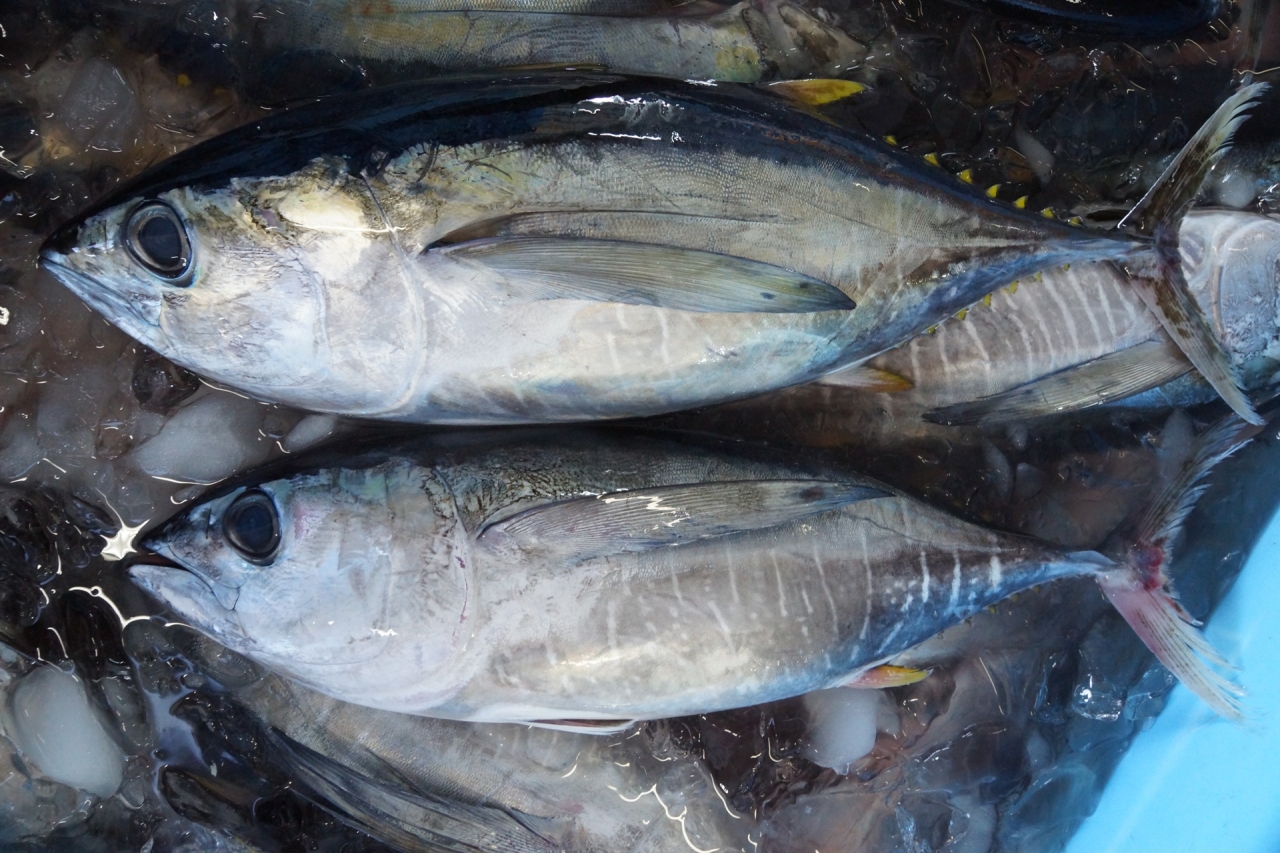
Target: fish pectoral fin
{"points": [[644, 519], [1111, 377], [866, 378], [887, 675], [816, 92], [537, 268], [585, 727]]}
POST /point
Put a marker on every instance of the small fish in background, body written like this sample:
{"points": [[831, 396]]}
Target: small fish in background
{"points": [[585, 581], [747, 42], [622, 247]]}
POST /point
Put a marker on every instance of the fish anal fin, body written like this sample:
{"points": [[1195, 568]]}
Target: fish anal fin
{"points": [[643, 519], [867, 378], [885, 676], [818, 91], [536, 268], [1111, 377]]}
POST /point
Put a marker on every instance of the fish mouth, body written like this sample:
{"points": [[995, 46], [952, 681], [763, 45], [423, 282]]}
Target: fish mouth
{"points": [[103, 300], [209, 605]]}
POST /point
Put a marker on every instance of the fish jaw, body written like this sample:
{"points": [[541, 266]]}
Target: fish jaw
{"points": [[77, 255], [197, 601]]}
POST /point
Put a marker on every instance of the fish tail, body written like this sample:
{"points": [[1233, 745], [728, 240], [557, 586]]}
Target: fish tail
{"points": [[1135, 583], [1159, 281]]}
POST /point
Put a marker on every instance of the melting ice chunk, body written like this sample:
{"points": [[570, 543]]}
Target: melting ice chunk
{"points": [[224, 427], [842, 726], [58, 732]]}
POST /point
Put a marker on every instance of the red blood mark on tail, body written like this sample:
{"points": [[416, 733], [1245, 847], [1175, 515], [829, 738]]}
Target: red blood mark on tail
{"points": [[1148, 560]]}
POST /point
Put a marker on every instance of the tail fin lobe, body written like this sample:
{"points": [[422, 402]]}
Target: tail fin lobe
{"points": [[1161, 283], [1137, 586]]}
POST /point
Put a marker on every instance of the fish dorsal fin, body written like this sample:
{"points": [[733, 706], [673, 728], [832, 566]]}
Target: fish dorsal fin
{"points": [[1161, 283], [538, 268], [643, 519], [1111, 377]]}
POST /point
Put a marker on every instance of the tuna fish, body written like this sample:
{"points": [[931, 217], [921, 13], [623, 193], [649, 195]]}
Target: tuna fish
{"points": [[546, 248], [582, 579]]}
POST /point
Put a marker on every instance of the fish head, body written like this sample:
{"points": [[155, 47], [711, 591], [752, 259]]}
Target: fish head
{"points": [[1232, 259], [241, 282], [323, 576]]}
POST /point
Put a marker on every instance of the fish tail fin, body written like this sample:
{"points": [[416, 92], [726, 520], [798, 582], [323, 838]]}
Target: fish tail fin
{"points": [[1159, 281], [1136, 584]]}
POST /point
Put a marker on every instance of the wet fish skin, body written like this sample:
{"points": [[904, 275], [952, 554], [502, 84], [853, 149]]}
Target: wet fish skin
{"points": [[434, 621], [363, 317]]}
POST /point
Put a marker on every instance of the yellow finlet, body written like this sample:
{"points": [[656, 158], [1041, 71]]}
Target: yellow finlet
{"points": [[966, 176], [1047, 213], [1020, 203], [1066, 267], [931, 159], [819, 91], [993, 190], [1012, 288], [931, 330], [887, 675], [866, 378], [1076, 220], [184, 81], [891, 139], [986, 300], [1039, 277], [962, 313]]}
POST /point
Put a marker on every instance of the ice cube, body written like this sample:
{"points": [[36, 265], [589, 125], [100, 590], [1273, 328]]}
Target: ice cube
{"points": [[99, 107], [842, 726], [212, 438], [59, 732]]}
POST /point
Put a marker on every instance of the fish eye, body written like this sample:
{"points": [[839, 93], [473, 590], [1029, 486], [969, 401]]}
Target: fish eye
{"points": [[157, 239], [252, 526]]}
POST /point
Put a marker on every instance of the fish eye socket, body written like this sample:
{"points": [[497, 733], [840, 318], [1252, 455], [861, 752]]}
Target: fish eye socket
{"points": [[252, 526], [157, 239]]}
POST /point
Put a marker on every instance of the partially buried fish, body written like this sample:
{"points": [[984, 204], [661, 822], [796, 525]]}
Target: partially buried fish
{"points": [[543, 247], [427, 784], [746, 42], [579, 579]]}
